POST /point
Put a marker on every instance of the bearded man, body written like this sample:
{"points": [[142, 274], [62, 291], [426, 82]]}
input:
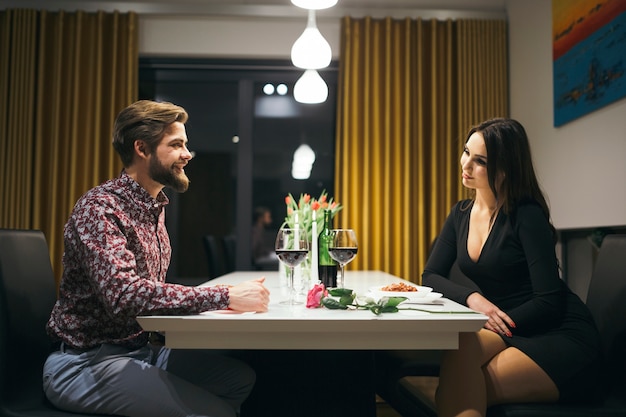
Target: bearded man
{"points": [[117, 252]]}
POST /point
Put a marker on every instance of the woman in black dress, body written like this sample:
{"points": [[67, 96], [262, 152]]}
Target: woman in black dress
{"points": [[540, 343]]}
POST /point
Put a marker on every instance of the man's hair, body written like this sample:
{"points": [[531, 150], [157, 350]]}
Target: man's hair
{"points": [[144, 120]]}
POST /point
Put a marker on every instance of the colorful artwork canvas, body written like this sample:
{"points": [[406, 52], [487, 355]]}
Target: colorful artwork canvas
{"points": [[589, 54]]}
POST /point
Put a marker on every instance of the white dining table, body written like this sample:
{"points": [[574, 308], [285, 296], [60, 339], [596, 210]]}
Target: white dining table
{"points": [[436, 326]]}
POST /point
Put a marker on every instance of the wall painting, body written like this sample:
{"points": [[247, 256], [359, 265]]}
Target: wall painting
{"points": [[589, 56]]}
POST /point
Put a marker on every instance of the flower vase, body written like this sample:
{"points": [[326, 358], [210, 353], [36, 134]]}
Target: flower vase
{"points": [[302, 278]]}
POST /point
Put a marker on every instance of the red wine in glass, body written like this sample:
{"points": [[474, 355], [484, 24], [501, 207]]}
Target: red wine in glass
{"points": [[291, 249], [291, 258], [343, 248]]}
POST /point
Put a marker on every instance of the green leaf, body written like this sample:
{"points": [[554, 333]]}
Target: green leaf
{"points": [[347, 299], [333, 304], [392, 301], [339, 292], [389, 309]]}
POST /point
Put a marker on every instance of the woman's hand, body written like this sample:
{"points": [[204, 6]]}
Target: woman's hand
{"points": [[249, 296], [498, 322]]}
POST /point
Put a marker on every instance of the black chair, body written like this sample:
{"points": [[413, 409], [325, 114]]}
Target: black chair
{"points": [[606, 300], [214, 255], [229, 243], [27, 295]]}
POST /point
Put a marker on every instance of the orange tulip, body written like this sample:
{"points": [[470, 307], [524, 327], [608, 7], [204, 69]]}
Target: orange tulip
{"points": [[315, 205], [287, 200]]}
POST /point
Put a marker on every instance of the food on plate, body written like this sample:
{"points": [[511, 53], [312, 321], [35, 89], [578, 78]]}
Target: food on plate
{"points": [[399, 287]]}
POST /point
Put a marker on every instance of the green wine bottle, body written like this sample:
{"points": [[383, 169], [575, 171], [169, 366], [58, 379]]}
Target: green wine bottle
{"points": [[327, 267]]}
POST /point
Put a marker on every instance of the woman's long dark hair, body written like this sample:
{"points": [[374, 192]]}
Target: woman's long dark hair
{"points": [[510, 169]]}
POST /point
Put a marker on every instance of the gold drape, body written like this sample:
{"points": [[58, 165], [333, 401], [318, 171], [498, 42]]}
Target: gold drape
{"points": [[63, 78], [408, 92]]}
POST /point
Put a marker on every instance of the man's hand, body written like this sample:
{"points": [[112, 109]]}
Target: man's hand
{"points": [[249, 296]]}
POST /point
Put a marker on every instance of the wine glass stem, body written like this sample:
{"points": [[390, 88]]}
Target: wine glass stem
{"points": [[342, 283], [292, 289]]}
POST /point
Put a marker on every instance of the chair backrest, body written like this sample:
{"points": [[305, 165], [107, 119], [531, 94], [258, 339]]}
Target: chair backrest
{"points": [[606, 299], [27, 295], [215, 257], [230, 250]]}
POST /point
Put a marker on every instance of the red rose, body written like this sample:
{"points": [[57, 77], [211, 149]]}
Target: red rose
{"points": [[315, 295]]}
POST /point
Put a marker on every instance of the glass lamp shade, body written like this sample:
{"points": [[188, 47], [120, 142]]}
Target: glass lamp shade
{"points": [[314, 4], [304, 155], [300, 172], [311, 50], [310, 88]]}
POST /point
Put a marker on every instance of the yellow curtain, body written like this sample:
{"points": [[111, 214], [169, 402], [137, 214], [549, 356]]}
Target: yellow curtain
{"points": [[63, 79], [409, 90]]}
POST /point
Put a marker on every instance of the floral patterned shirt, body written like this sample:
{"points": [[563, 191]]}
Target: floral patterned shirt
{"points": [[117, 252]]}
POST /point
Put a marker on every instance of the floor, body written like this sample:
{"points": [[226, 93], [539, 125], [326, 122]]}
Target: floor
{"points": [[426, 385], [385, 410]]}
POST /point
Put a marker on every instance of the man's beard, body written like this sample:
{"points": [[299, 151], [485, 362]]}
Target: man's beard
{"points": [[167, 176]]}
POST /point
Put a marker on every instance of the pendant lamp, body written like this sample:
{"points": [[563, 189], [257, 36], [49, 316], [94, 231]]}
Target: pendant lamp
{"points": [[304, 155], [302, 164], [299, 173], [311, 50], [310, 88], [314, 4]]}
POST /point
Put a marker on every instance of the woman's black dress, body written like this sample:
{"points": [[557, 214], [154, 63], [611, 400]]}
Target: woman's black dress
{"points": [[518, 271]]}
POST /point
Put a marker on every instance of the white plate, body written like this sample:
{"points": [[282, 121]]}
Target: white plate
{"points": [[430, 298], [411, 295]]}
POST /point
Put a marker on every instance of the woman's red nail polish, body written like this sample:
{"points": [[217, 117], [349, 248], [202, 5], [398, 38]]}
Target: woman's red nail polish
{"points": [[512, 325]]}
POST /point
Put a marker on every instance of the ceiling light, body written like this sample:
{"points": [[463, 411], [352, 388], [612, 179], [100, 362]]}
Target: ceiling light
{"points": [[300, 172], [314, 4], [268, 89], [304, 154], [310, 88], [302, 164], [281, 89], [311, 50]]}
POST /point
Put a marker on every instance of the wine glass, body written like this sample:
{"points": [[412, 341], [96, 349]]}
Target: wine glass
{"points": [[342, 248], [291, 249]]}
